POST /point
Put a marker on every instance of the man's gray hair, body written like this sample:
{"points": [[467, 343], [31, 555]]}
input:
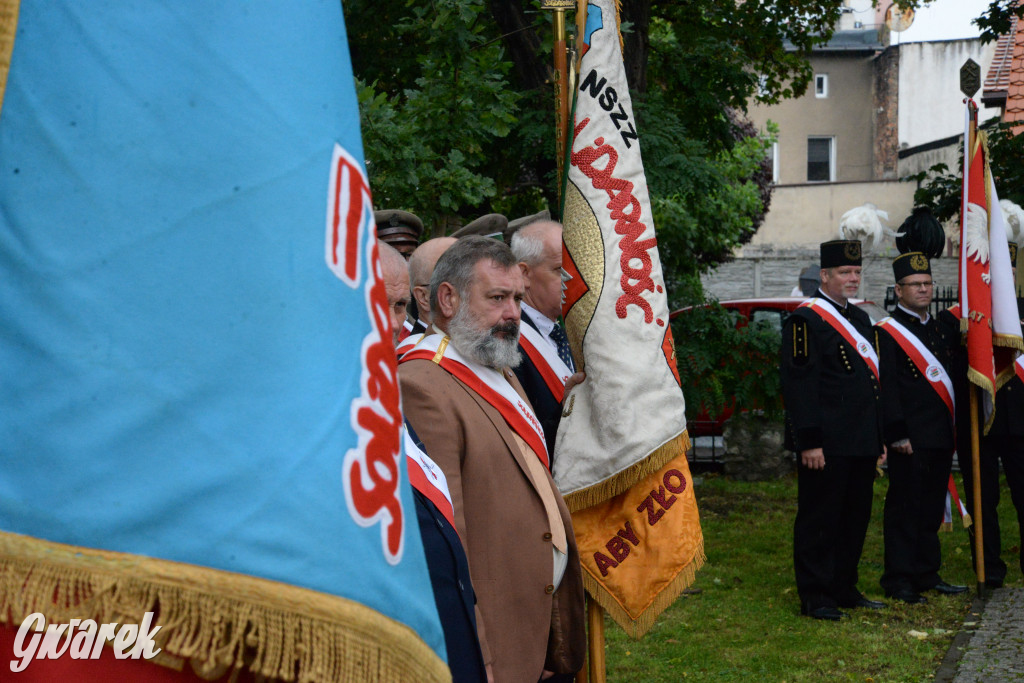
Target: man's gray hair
{"points": [[528, 245], [456, 265]]}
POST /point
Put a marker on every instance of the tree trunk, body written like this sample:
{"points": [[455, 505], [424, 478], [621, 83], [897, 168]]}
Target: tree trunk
{"points": [[637, 46], [522, 41]]}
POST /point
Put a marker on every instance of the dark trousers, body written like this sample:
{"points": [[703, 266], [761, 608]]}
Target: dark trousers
{"points": [[995, 448], [914, 507], [833, 510]]}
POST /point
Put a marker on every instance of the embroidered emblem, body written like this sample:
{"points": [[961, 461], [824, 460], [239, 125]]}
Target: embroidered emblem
{"points": [[919, 263], [852, 250]]}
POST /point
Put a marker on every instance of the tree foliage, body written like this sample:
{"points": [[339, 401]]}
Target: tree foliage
{"points": [[939, 188], [726, 367], [458, 109]]}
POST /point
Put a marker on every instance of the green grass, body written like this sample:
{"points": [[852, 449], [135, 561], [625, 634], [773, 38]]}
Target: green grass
{"points": [[742, 622]]}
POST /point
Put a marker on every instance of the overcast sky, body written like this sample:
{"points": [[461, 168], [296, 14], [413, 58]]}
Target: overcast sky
{"points": [[943, 20]]}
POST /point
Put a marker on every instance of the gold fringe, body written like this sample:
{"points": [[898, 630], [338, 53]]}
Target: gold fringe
{"points": [[1008, 341], [967, 520], [625, 479], [637, 628], [8, 28], [946, 526], [983, 383], [219, 620]]}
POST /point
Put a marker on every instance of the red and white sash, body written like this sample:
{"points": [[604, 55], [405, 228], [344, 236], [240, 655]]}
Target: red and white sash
{"points": [[426, 476], [406, 330], [409, 343], [841, 325], [490, 384], [924, 360], [545, 359], [1018, 367]]}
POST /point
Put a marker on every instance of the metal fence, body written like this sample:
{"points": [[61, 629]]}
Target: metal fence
{"points": [[944, 298]]}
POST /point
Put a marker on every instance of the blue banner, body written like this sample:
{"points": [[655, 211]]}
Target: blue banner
{"points": [[193, 342]]}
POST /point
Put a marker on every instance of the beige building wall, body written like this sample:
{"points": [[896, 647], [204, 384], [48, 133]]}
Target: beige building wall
{"points": [[845, 114], [808, 214]]}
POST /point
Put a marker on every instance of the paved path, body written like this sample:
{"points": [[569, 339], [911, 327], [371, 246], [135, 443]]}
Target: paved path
{"points": [[990, 649]]}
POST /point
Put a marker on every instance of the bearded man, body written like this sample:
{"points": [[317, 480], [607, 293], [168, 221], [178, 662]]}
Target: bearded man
{"points": [[464, 402]]}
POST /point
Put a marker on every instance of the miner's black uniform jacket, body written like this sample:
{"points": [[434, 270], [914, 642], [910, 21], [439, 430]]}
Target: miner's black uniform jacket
{"points": [[831, 395], [911, 408]]}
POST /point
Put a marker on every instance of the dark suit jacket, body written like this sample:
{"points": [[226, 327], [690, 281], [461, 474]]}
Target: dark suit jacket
{"points": [[911, 408], [527, 625], [453, 592], [832, 398], [547, 408]]}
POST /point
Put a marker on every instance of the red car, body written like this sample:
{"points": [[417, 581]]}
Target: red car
{"points": [[773, 311]]}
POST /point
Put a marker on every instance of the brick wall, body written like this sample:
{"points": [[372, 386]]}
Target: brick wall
{"points": [[885, 94]]}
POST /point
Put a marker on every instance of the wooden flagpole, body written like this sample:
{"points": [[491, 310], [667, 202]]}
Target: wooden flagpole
{"points": [[560, 80], [970, 83], [979, 547], [595, 641], [594, 668]]}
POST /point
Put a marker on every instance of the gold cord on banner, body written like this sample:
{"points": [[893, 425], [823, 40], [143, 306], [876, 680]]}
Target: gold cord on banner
{"points": [[217, 620]]}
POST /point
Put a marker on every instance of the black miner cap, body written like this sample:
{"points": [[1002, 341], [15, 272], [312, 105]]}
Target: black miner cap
{"points": [[911, 263], [840, 253]]}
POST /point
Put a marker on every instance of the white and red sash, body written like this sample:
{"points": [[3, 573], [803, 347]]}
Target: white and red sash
{"points": [[406, 330], [1018, 367], [490, 384], [924, 360], [426, 476], [545, 358], [841, 325], [409, 343]]}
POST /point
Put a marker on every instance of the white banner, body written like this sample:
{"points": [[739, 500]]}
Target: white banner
{"points": [[627, 419]]}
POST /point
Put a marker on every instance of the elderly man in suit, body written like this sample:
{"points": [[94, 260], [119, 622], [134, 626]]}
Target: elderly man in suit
{"points": [[472, 417], [547, 361]]}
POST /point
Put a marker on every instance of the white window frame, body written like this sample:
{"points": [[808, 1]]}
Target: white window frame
{"points": [[831, 156], [821, 86]]}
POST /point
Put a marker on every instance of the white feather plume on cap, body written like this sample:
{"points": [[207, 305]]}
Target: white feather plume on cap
{"points": [[864, 223], [1013, 216]]}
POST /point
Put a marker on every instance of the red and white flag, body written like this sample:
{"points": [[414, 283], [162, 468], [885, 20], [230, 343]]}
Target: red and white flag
{"points": [[988, 301]]}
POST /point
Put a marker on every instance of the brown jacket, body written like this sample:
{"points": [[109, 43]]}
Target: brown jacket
{"points": [[503, 525]]}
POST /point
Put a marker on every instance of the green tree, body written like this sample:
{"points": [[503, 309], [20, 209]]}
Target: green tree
{"points": [[428, 132], [458, 109], [940, 187]]}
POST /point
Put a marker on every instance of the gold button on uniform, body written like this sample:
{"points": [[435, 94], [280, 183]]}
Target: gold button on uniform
{"points": [[547, 535], [549, 589]]}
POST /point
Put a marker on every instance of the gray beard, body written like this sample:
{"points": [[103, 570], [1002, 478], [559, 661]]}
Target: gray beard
{"points": [[483, 346]]}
